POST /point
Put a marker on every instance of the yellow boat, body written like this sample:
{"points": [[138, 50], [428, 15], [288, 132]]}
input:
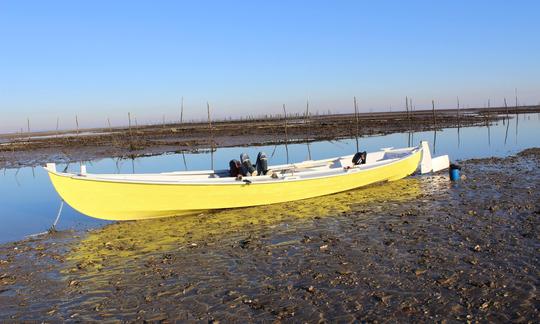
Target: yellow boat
{"points": [[144, 196]]}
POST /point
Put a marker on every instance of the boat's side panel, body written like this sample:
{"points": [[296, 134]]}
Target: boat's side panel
{"points": [[126, 201]]}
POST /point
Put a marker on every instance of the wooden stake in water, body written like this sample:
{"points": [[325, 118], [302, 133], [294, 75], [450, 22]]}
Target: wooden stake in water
{"points": [[130, 133], [507, 122], [182, 111], [433, 112], [434, 127], [487, 122], [457, 114], [286, 133], [209, 119], [306, 122], [185, 163], [408, 122], [211, 136], [411, 109], [458, 123], [357, 123], [407, 106], [517, 117], [506, 106], [515, 91]]}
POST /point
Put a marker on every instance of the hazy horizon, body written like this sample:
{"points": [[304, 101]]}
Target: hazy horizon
{"points": [[101, 59]]}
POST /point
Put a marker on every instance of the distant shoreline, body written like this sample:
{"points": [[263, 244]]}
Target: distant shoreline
{"points": [[274, 117]]}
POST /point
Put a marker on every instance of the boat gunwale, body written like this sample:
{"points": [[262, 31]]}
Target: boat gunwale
{"points": [[357, 169]]}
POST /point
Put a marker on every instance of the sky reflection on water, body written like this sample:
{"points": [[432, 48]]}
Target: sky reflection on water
{"points": [[29, 203]]}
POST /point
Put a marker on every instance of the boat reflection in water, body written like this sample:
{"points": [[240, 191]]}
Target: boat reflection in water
{"points": [[115, 244]]}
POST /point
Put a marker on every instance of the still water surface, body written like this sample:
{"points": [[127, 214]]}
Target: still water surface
{"points": [[29, 203]]}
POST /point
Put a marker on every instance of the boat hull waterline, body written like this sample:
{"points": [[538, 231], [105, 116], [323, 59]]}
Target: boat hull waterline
{"points": [[144, 197]]}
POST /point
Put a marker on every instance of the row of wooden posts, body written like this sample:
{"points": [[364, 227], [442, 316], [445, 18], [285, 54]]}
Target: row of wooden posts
{"points": [[306, 118]]}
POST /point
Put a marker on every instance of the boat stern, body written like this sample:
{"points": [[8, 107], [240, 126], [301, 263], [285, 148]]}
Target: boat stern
{"points": [[432, 164]]}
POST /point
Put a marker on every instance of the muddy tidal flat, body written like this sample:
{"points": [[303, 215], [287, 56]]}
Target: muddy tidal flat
{"points": [[418, 249]]}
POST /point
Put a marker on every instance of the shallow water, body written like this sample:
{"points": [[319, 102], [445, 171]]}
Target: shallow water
{"points": [[29, 204]]}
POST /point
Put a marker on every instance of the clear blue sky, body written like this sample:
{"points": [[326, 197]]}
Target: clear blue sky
{"points": [[100, 59]]}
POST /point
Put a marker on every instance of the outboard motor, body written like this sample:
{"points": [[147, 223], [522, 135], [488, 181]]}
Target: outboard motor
{"points": [[262, 163], [235, 168], [359, 158], [247, 167]]}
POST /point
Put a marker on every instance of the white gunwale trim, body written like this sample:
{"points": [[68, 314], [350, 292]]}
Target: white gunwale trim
{"points": [[256, 180]]}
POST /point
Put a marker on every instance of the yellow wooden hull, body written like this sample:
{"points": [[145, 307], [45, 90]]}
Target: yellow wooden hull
{"points": [[116, 200]]}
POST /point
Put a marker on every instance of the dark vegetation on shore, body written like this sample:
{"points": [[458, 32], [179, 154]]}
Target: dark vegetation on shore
{"points": [[38, 148]]}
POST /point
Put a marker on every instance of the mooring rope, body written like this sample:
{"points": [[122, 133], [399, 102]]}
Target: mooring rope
{"points": [[53, 227]]}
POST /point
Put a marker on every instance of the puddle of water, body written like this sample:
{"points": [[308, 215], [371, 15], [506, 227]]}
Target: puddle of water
{"points": [[29, 203]]}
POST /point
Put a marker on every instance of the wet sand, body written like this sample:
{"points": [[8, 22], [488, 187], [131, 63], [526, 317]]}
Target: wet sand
{"points": [[18, 150], [418, 249]]}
